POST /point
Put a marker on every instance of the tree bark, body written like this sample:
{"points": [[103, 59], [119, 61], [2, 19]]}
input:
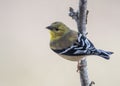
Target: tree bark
{"points": [[81, 19]]}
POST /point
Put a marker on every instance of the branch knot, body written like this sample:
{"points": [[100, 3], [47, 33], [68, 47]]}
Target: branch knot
{"points": [[73, 14]]}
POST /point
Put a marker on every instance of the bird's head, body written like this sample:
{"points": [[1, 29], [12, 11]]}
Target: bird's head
{"points": [[58, 30]]}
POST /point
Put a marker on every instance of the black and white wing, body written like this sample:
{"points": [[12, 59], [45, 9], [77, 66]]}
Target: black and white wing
{"points": [[82, 47]]}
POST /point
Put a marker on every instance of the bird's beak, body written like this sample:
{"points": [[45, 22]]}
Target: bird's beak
{"points": [[49, 27]]}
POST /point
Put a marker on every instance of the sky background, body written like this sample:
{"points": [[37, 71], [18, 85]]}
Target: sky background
{"points": [[25, 56]]}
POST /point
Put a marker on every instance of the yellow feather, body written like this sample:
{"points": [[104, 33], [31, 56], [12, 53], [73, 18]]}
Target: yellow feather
{"points": [[54, 36]]}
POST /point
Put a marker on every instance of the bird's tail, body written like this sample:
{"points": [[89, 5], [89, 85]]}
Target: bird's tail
{"points": [[104, 54]]}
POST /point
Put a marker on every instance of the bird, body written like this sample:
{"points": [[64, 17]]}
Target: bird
{"points": [[72, 45]]}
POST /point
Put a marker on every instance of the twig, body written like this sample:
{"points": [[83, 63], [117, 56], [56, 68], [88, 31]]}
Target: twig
{"points": [[81, 19], [92, 83]]}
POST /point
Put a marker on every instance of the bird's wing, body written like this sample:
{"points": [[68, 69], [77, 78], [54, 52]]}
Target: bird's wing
{"points": [[82, 46]]}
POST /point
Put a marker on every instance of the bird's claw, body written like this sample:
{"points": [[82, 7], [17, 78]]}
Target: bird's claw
{"points": [[80, 66]]}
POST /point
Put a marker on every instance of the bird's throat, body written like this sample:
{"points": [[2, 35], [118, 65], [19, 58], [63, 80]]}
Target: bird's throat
{"points": [[54, 36]]}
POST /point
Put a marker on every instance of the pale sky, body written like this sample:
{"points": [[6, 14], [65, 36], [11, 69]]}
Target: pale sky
{"points": [[25, 56]]}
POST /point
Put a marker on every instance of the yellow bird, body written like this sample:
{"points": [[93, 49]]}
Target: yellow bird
{"points": [[72, 45]]}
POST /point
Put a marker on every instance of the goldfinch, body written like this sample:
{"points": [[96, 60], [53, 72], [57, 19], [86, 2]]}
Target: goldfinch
{"points": [[72, 45]]}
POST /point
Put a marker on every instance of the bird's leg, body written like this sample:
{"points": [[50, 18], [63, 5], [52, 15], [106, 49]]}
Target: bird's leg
{"points": [[79, 66]]}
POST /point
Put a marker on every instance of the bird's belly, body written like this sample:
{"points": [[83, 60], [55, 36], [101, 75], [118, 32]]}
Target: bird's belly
{"points": [[72, 58]]}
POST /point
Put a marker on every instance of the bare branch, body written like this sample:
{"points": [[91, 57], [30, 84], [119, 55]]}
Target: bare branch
{"points": [[84, 74], [73, 14], [81, 19]]}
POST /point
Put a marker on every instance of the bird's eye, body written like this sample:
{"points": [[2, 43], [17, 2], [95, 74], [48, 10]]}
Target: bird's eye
{"points": [[56, 29]]}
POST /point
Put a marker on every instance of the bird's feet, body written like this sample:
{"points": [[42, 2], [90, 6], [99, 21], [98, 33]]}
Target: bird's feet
{"points": [[80, 66]]}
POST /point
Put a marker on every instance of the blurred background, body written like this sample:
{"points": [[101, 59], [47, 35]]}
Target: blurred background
{"points": [[25, 56]]}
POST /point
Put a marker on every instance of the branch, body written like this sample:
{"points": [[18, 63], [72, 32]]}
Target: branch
{"points": [[81, 16], [81, 19]]}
